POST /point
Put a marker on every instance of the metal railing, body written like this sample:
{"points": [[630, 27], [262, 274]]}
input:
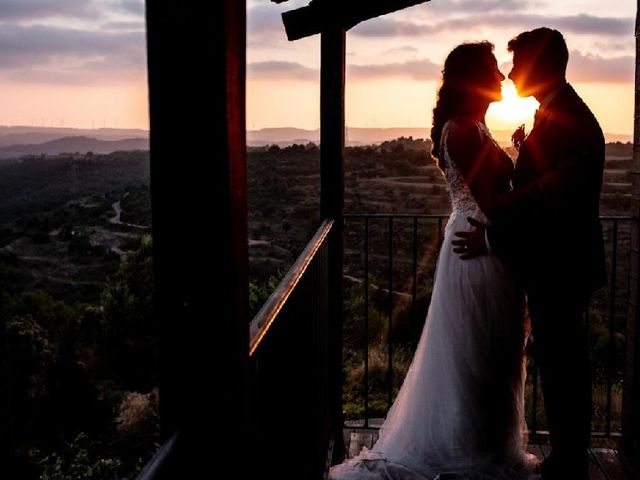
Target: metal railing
{"points": [[394, 256]]}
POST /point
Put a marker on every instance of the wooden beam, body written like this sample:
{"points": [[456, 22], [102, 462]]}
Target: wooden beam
{"points": [[196, 62], [320, 15]]}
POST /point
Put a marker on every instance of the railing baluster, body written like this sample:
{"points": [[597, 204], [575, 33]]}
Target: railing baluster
{"points": [[534, 394], [414, 293], [612, 312], [587, 319], [390, 343], [366, 322]]}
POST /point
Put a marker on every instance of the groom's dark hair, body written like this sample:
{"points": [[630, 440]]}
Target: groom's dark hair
{"points": [[544, 48]]}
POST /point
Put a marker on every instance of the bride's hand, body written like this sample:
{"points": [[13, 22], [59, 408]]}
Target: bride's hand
{"points": [[471, 244]]}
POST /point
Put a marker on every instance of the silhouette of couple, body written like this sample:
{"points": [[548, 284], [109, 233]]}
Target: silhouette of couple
{"points": [[528, 234]]}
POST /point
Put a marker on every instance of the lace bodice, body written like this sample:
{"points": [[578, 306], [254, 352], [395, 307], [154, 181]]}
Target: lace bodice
{"points": [[459, 192], [462, 199]]}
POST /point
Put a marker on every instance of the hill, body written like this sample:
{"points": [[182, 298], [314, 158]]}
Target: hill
{"points": [[367, 136], [17, 139], [73, 145], [39, 185], [21, 135]]}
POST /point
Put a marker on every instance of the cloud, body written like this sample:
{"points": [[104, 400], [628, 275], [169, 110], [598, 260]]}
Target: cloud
{"points": [[481, 6], [134, 7], [582, 24], [584, 68], [263, 19], [614, 46], [276, 70], [42, 54], [589, 68], [103, 72], [389, 27], [134, 26], [415, 69], [403, 49], [29, 11], [598, 25], [106, 43], [20, 10]]}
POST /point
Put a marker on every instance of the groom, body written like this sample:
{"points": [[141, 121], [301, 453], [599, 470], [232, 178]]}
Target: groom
{"points": [[554, 241]]}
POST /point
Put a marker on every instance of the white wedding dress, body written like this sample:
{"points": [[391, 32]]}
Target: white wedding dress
{"points": [[460, 411]]}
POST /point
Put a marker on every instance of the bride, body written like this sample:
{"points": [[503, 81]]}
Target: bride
{"points": [[460, 411]]}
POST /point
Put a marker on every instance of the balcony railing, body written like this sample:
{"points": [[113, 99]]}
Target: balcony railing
{"points": [[289, 374], [289, 379], [390, 260]]}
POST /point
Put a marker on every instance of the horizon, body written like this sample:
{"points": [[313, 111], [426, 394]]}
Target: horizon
{"points": [[282, 127], [501, 135], [71, 127]]}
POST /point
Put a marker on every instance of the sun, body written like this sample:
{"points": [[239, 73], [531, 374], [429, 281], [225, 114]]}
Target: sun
{"points": [[512, 110]]}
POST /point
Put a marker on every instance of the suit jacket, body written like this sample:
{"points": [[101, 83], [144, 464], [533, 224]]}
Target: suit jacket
{"points": [[555, 241]]}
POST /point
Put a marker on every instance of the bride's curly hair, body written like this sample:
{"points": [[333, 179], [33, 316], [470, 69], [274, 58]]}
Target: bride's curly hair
{"points": [[464, 70]]}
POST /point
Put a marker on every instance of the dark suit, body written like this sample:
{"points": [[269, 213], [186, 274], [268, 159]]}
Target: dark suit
{"points": [[555, 245]]}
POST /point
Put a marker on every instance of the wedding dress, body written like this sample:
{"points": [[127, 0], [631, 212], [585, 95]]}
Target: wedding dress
{"points": [[460, 411]]}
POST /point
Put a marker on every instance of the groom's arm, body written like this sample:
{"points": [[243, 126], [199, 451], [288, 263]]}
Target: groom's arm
{"points": [[572, 155], [577, 155], [577, 172], [512, 212], [569, 186]]}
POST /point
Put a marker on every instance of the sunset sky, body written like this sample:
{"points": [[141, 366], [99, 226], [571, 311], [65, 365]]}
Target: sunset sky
{"points": [[81, 63], [394, 62], [73, 63]]}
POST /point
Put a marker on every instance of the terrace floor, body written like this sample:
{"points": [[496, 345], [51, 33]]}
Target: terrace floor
{"points": [[606, 463]]}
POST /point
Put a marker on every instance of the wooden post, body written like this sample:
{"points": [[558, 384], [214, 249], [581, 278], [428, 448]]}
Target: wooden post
{"points": [[631, 395], [332, 125], [196, 61]]}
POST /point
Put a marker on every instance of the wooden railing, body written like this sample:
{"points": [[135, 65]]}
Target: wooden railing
{"points": [[162, 464], [289, 381], [394, 256], [266, 316], [289, 368]]}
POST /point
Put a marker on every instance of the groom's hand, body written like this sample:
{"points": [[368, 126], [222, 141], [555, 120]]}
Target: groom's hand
{"points": [[471, 244]]}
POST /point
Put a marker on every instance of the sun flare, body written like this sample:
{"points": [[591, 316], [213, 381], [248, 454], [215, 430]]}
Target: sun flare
{"points": [[512, 110]]}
